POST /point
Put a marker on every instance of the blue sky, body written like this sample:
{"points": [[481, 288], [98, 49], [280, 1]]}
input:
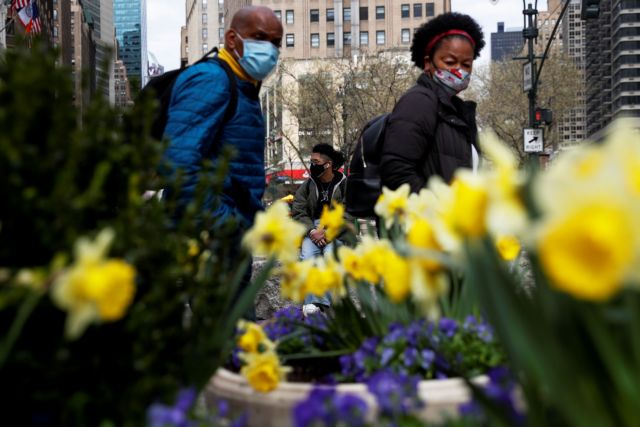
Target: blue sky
{"points": [[165, 17]]}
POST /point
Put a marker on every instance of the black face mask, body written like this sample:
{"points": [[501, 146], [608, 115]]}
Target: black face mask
{"points": [[317, 170]]}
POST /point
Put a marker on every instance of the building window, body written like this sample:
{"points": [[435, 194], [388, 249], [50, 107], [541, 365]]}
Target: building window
{"points": [[380, 38], [205, 34], [417, 10], [290, 40], [346, 14], [405, 35], [55, 14], [289, 15], [404, 10], [429, 9], [364, 13], [205, 19], [379, 12], [221, 34], [330, 15], [315, 40], [205, 48], [331, 39], [315, 15], [364, 38], [204, 3], [278, 14], [347, 38], [220, 19]]}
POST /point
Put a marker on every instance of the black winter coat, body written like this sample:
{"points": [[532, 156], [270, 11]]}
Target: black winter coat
{"points": [[429, 133]]}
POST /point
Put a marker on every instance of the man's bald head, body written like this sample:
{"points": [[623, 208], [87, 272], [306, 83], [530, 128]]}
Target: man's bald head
{"points": [[253, 22]]}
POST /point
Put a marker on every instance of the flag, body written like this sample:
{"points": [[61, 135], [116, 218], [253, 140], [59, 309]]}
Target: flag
{"points": [[30, 17], [19, 4]]}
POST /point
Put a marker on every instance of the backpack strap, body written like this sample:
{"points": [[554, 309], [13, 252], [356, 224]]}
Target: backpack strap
{"points": [[233, 102]]}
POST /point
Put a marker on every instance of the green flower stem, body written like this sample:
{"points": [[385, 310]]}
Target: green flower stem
{"points": [[26, 308]]}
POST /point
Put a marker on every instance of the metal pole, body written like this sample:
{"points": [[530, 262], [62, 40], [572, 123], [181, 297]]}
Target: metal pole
{"points": [[531, 33]]}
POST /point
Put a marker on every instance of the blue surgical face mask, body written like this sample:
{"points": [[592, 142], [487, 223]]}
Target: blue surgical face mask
{"points": [[259, 57], [456, 79]]}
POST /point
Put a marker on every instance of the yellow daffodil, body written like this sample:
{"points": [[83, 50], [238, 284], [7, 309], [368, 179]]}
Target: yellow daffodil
{"points": [[275, 234], [93, 288], [393, 205], [506, 213], [293, 280], [193, 248], [263, 370], [426, 288], [588, 252], [508, 247], [253, 337], [353, 264], [396, 276], [332, 220], [422, 236], [420, 206], [322, 279], [470, 200]]}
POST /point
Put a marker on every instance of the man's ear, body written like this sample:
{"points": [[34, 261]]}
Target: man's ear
{"points": [[231, 41]]}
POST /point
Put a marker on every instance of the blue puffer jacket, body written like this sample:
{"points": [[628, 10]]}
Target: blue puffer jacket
{"points": [[198, 103]]}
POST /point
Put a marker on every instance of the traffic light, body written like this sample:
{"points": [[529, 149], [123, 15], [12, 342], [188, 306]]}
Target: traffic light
{"points": [[543, 116]]}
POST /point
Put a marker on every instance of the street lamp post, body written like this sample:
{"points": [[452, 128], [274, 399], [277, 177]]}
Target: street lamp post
{"points": [[530, 33]]}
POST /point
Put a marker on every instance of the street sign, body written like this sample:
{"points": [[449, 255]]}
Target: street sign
{"points": [[533, 141], [527, 77]]}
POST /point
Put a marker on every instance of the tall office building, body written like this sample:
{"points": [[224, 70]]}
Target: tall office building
{"points": [[101, 14], [573, 127], [505, 44], [130, 19], [547, 20], [3, 22], [612, 64], [204, 27], [83, 55], [337, 28]]}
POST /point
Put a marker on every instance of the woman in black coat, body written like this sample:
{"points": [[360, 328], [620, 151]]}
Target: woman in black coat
{"points": [[431, 131]]}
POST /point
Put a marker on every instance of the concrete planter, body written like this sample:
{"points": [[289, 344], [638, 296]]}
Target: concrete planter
{"points": [[442, 397]]}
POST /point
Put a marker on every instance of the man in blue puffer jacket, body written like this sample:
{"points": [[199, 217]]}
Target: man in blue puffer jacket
{"points": [[196, 127], [199, 100]]}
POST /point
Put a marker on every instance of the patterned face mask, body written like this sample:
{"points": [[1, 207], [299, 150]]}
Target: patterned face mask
{"points": [[455, 79]]}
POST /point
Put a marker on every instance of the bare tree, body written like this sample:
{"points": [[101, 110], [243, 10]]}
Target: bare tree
{"points": [[332, 101], [503, 106]]}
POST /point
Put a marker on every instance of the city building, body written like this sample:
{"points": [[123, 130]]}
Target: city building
{"points": [[573, 128], [13, 28], [121, 85], [336, 28], [506, 44], [612, 64], [130, 20], [101, 18], [3, 25], [62, 37], [547, 20], [204, 28], [184, 49], [83, 55]]}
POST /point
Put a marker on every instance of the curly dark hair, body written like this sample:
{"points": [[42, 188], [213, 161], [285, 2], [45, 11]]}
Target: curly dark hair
{"points": [[439, 25], [337, 158]]}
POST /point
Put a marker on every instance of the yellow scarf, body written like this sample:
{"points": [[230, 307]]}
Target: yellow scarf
{"points": [[235, 67]]}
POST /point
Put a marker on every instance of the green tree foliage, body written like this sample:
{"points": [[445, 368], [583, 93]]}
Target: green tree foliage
{"points": [[64, 176]]}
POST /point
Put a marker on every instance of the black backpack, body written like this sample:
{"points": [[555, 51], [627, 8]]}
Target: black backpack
{"points": [[160, 88], [363, 181]]}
